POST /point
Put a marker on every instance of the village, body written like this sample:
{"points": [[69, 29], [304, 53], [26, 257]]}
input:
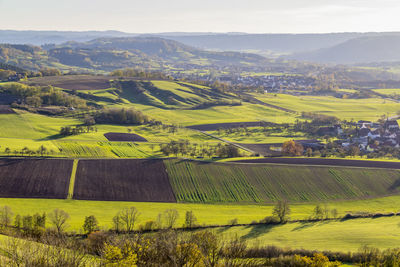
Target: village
{"points": [[374, 139]]}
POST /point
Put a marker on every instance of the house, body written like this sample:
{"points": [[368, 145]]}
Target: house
{"points": [[364, 131], [362, 123], [374, 134], [391, 125], [313, 144]]}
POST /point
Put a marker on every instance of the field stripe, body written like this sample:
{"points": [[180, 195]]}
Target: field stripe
{"points": [[72, 179]]}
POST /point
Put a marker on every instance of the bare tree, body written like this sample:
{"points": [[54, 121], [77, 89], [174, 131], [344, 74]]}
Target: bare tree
{"points": [[129, 217], [190, 220], [6, 215], [59, 219], [171, 216], [282, 211]]}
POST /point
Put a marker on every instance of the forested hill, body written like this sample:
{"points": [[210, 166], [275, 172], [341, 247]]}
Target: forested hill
{"points": [[112, 53], [360, 50]]}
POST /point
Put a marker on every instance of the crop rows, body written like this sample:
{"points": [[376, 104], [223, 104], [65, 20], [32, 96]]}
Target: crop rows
{"points": [[79, 149], [211, 182]]}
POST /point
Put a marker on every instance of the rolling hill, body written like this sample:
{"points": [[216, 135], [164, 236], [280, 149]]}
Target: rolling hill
{"points": [[106, 54], [359, 50]]}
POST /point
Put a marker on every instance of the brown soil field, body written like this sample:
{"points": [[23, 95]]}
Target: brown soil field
{"points": [[124, 137], [327, 162], [227, 125], [5, 109], [35, 178], [123, 180], [73, 82]]}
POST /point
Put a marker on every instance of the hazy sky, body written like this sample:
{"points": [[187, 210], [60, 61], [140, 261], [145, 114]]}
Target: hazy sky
{"points": [[257, 16]]}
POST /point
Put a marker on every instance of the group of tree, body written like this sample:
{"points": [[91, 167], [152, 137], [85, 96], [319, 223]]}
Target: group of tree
{"points": [[140, 73], [69, 130], [42, 150], [320, 119], [125, 220], [36, 96], [185, 148], [120, 116], [292, 148]]}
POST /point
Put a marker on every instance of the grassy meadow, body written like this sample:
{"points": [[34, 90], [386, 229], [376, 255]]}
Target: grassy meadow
{"points": [[342, 236], [346, 109], [207, 214]]}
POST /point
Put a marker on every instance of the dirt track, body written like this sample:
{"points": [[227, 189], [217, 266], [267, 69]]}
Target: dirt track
{"points": [[328, 162]]}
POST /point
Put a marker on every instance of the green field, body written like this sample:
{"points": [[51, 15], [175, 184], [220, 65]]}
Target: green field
{"points": [[388, 92], [262, 183], [207, 214], [255, 135], [343, 236], [357, 109]]}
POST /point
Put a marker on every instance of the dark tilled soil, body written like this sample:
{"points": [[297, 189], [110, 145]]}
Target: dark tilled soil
{"points": [[124, 137], [73, 82], [227, 125], [123, 180], [332, 162], [35, 178]]}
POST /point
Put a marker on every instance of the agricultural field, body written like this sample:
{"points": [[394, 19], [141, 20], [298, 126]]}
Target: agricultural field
{"points": [[34, 178], [219, 114], [124, 137], [77, 149], [346, 109], [344, 236], [207, 214], [73, 82], [123, 180], [30, 130], [387, 92], [245, 183], [254, 135]]}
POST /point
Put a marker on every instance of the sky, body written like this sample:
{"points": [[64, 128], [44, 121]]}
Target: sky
{"points": [[154, 16]]}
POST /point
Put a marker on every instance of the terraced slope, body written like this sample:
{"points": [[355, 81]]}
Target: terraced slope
{"points": [[212, 182]]}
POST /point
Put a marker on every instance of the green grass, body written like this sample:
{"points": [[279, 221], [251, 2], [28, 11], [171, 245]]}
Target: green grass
{"points": [[85, 149], [212, 182], [341, 236], [357, 109], [220, 114], [257, 135], [388, 92], [208, 214]]}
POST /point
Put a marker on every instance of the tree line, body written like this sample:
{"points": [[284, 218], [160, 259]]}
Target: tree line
{"points": [[185, 148], [120, 116]]}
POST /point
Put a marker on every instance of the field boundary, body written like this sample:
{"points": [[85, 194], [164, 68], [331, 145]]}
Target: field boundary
{"points": [[72, 179], [350, 163]]}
